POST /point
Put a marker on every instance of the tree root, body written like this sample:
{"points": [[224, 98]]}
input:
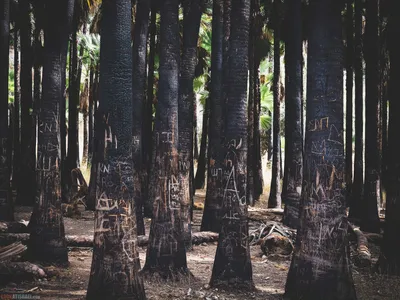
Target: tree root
{"points": [[17, 271]]}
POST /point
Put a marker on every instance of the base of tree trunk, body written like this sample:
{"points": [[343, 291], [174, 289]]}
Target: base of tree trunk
{"points": [[18, 271], [87, 240], [388, 266], [176, 275], [237, 283], [46, 245]]}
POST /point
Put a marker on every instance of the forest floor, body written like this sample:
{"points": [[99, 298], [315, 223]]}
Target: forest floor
{"points": [[269, 276]]}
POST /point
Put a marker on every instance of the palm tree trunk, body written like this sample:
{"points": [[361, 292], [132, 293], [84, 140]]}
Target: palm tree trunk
{"points": [[389, 260], [213, 201], [192, 10], [232, 265], [16, 120], [200, 178], [91, 111], [349, 98], [370, 218], [148, 121], [320, 265], [115, 253], [26, 191], [72, 159], [274, 200], [138, 99], [258, 174], [293, 134], [6, 210], [250, 108], [357, 188], [84, 109], [47, 235], [166, 254]]}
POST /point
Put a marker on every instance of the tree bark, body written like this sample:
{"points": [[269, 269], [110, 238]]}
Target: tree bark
{"points": [[26, 191], [6, 210], [389, 260], [274, 199], [138, 101], [148, 122], [293, 134], [370, 217], [200, 178], [91, 110], [213, 201], [349, 98], [191, 25], [232, 266], [357, 188], [320, 267], [47, 236], [166, 254], [115, 253], [16, 114]]}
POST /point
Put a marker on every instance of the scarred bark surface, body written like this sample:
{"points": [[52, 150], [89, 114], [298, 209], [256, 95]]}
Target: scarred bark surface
{"points": [[232, 265], [115, 264], [320, 266], [166, 254]]}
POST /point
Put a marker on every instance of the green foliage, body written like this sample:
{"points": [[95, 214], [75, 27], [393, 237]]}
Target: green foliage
{"points": [[11, 85]]}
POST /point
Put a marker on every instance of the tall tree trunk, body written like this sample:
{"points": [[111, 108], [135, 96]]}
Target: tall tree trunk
{"points": [[275, 190], [192, 10], [84, 109], [200, 178], [166, 254], [16, 119], [91, 199], [293, 135], [320, 267], [370, 217], [349, 99], [6, 210], [250, 108], [91, 111], [389, 260], [357, 188], [148, 121], [115, 253], [47, 235], [232, 265], [72, 159], [195, 133], [26, 191], [138, 101], [258, 174], [213, 201]]}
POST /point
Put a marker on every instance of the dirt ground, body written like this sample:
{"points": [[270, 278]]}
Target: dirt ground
{"points": [[269, 276]]}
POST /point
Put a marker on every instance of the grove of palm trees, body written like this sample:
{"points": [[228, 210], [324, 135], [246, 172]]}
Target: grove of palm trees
{"points": [[198, 149]]}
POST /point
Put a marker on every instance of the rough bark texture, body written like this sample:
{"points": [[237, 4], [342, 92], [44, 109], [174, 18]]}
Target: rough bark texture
{"points": [[17, 101], [191, 26], [370, 217], [147, 137], [91, 109], [26, 191], [115, 264], [6, 211], [291, 192], [349, 98], [138, 100], [166, 254], [258, 174], [357, 188], [213, 201], [232, 266], [274, 199], [47, 236], [389, 261], [320, 266]]}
